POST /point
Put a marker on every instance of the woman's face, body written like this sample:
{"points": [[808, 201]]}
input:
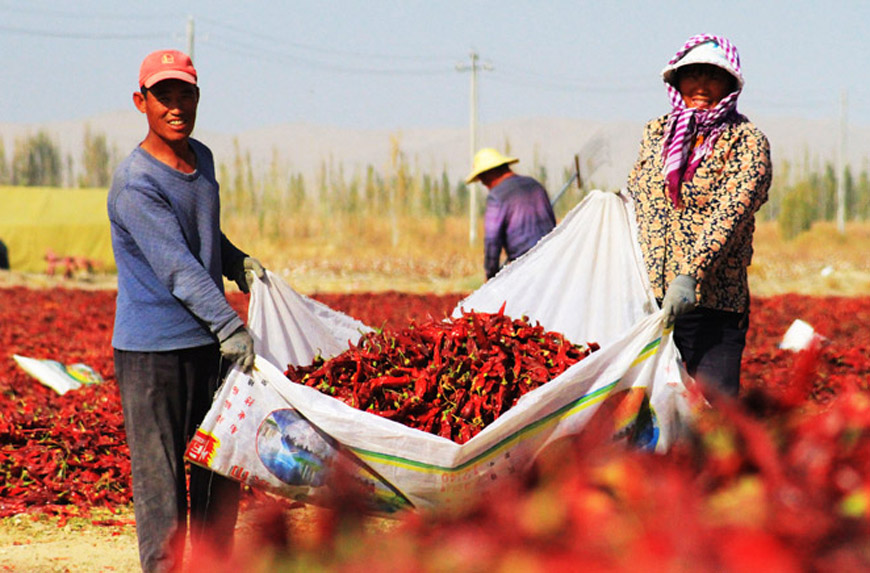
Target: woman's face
{"points": [[703, 85]]}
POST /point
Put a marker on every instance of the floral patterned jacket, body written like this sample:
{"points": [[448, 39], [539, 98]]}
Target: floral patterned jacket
{"points": [[710, 236]]}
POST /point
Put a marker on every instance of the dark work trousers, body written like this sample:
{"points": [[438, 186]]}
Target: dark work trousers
{"points": [[711, 343], [165, 396]]}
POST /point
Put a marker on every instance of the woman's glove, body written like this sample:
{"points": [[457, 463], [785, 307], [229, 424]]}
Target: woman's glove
{"points": [[241, 277], [680, 298], [238, 347]]}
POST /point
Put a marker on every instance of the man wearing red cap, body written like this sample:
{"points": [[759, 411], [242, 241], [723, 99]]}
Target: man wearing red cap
{"points": [[175, 334]]}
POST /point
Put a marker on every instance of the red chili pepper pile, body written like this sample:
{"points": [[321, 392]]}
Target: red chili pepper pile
{"points": [[65, 454], [788, 480], [448, 377], [390, 309], [61, 454]]}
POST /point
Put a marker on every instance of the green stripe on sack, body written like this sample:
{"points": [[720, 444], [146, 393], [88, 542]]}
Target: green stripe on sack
{"points": [[567, 410], [647, 351]]}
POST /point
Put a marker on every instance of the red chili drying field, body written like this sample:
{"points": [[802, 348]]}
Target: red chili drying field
{"points": [[777, 481]]}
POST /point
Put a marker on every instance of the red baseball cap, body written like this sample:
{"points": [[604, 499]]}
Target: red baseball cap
{"points": [[166, 65]]}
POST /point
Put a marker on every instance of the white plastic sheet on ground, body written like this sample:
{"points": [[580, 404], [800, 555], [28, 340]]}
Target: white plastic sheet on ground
{"points": [[800, 336], [586, 280], [58, 376]]}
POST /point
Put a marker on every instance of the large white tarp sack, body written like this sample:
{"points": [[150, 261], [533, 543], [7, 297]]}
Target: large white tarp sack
{"points": [[586, 280]]}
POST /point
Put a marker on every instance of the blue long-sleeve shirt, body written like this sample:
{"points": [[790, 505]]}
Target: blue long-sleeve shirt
{"points": [[170, 253], [518, 214]]}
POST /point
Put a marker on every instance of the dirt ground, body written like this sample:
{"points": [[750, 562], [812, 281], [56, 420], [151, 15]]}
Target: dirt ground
{"points": [[106, 542], [39, 545]]}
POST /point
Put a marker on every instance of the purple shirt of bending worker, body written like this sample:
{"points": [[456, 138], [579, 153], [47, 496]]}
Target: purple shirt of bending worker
{"points": [[518, 214], [518, 210]]}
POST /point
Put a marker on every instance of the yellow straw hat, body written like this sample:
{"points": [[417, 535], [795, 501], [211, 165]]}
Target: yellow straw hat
{"points": [[486, 159]]}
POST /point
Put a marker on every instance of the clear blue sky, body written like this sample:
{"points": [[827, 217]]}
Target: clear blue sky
{"points": [[392, 64]]}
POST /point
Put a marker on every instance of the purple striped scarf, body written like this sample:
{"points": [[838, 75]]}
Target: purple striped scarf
{"points": [[685, 124]]}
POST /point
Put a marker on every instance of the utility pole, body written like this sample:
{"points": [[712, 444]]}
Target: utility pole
{"points": [[472, 190], [841, 166], [190, 37]]}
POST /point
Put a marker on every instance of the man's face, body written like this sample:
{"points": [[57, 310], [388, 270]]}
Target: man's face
{"points": [[170, 106], [486, 178]]}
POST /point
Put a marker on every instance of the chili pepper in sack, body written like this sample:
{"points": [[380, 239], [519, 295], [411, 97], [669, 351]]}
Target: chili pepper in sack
{"points": [[450, 377]]}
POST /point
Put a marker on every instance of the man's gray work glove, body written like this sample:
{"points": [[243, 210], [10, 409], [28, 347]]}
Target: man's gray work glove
{"points": [[238, 347], [241, 276], [679, 299]]}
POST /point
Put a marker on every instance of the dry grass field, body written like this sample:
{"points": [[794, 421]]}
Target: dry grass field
{"points": [[351, 254], [818, 262], [358, 256]]}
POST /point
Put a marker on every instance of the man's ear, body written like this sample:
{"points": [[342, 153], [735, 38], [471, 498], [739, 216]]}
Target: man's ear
{"points": [[139, 101]]}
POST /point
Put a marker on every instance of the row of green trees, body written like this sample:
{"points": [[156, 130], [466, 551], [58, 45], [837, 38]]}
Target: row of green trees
{"points": [[806, 192], [400, 188], [36, 161], [801, 194]]}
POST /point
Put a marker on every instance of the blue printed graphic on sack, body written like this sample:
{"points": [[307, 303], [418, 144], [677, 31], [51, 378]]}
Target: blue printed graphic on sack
{"points": [[292, 450]]}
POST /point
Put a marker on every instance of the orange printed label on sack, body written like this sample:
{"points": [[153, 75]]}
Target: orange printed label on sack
{"points": [[201, 448]]}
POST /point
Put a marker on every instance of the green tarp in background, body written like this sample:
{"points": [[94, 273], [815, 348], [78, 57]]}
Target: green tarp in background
{"points": [[69, 222]]}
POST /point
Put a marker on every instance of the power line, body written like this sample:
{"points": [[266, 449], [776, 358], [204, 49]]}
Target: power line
{"points": [[78, 35], [282, 57], [323, 50], [790, 103], [80, 15], [557, 84]]}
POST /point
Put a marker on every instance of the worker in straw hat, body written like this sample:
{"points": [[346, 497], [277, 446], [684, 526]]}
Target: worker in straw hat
{"points": [[518, 210], [702, 173]]}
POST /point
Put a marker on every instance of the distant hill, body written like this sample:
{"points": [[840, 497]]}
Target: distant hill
{"points": [[607, 148]]}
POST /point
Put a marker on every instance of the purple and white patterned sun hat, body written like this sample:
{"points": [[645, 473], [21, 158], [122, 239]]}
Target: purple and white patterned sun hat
{"points": [[705, 49]]}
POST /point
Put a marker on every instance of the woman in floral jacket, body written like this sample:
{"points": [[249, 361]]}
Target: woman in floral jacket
{"points": [[702, 172]]}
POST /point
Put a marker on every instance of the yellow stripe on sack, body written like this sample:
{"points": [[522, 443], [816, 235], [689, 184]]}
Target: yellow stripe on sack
{"points": [[527, 431], [535, 427], [647, 352]]}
